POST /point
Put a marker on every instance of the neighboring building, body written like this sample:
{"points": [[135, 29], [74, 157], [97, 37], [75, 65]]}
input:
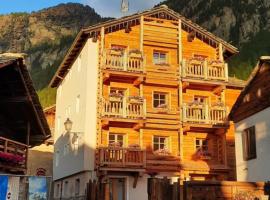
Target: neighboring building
{"points": [[44, 152], [22, 121], [251, 114], [143, 104]]}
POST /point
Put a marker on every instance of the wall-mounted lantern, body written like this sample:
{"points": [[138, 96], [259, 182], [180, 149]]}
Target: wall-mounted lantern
{"points": [[68, 125]]}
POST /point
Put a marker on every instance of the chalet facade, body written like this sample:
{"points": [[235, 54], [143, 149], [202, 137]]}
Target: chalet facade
{"points": [[22, 121], [252, 124], [147, 95]]}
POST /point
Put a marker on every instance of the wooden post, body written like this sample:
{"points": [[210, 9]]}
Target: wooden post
{"points": [[220, 52], [141, 90], [181, 139], [180, 47], [102, 39], [205, 69], [107, 191], [141, 33], [141, 138], [124, 109], [226, 71]]}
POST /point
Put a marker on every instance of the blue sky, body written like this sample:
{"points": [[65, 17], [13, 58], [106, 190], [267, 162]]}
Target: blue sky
{"points": [[103, 7]]}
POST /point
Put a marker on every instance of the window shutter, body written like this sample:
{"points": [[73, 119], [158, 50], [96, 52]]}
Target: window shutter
{"points": [[244, 144], [252, 137]]}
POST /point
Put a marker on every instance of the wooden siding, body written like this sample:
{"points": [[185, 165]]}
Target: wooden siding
{"points": [[163, 36], [256, 96]]}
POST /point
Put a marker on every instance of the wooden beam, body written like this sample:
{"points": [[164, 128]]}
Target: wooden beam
{"points": [[102, 39], [180, 49], [141, 32], [138, 81], [220, 50], [20, 99], [138, 126], [219, 89], [186, 129], [185, 85]]}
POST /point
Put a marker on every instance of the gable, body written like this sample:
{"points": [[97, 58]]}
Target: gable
{"points": [[255, 96], [161, 12]]}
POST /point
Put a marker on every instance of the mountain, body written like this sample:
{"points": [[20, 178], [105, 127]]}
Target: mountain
{"points": [[45, 36], [243, 23]]}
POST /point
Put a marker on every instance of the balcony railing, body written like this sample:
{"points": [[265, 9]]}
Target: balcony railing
{"points": [[205, 69], [13, 154], [123, 61], [122, 157], [124, 107], [201, 113]]}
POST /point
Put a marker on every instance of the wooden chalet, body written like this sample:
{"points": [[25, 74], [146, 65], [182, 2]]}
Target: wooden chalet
{"points": [[22, 121], [164, 96]]}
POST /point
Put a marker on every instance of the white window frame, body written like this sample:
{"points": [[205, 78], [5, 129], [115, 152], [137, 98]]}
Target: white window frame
{"points": [[166, 144]]}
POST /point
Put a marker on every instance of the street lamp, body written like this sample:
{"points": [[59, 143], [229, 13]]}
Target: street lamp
{"points": [[68, 125]]}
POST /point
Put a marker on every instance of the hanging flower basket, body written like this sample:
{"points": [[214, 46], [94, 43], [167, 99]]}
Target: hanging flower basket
{"points": [[136, 99], [163, 152], [134, 146]]}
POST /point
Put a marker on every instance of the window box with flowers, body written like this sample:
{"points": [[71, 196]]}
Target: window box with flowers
{"points": [[11, 159], [203, 154]]}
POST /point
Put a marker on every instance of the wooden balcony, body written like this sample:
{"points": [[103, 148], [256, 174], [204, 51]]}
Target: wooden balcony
{"points": [[208, 70], [119, 157], [204, 114], [135, 159], [124, 107], [13, 156], [124, 61]]}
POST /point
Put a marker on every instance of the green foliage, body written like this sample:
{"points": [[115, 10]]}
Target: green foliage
{"points": [[47, 97], [243, 63]]}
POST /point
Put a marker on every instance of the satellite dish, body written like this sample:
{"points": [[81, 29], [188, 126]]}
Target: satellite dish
{"points": [[125, 6]]}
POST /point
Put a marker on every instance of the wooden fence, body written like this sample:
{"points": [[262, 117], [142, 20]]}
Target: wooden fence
{"points": [[162, 189], [225, 190], [96, 190]]}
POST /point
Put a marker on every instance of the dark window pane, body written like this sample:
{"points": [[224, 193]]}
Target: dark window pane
{"points": [[156, 103], [156, 147]]}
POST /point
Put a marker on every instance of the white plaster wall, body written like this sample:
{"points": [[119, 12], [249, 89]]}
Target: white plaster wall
{"points": [[140, 192], [80, 82], [256, 169]]}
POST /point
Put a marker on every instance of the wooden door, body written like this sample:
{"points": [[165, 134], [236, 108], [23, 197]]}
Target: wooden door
{"points": [[117, 188]]}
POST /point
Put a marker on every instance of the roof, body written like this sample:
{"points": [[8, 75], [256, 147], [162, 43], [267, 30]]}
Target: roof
{"points": [[20, 109], [249, 84], [236, 82], [134, 19]]}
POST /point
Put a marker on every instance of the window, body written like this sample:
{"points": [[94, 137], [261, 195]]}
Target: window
{"points": [[57, 155], [160, 100], [66, 149], [249, 143], [78, 104], [77, 187], [200, 99], [76, 144], [160, 58], [66, 189], [58, 190], [120, 91], [160, 143], [116, 139], [201, 144], [79, 63]]}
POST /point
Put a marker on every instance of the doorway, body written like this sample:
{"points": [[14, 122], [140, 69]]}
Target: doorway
{"points": [[117, 188]]}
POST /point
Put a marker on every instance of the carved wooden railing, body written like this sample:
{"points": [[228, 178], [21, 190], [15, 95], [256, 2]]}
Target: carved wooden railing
{"points": [[13, 155], [121, 157], [205, 69], [124, 107], [203, 113], [123, 61]]}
